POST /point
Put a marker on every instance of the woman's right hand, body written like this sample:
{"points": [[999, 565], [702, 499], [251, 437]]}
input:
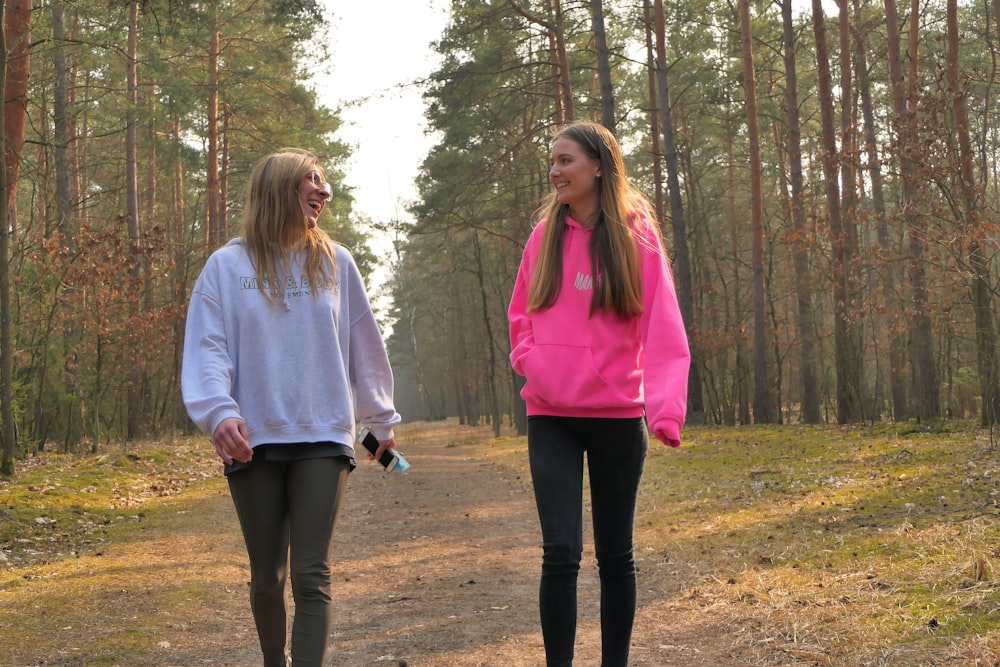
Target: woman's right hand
{"points": [[231, 441]]}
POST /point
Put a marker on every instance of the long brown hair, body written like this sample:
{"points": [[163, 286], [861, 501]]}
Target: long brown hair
{"points": [[614, 258], [275, 226]]}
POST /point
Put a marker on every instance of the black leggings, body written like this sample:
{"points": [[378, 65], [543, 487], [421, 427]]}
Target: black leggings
{"points": [[616, 452], [281, 505]]}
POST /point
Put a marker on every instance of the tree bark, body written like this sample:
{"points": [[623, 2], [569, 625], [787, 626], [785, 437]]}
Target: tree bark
{"points": [[763, 403], [214, 228], [682, 256], [890, 275], [848, 212], [6, 347], [136, 380], [569, 111], [131, 122], [63, 200], [986, 340], [923, 365], [654, 111], [491, 342], [603, 65], [17, 24], [564, 112], [224, 171], [810, 413], [848, 397], [178, 241], [60, 122]]}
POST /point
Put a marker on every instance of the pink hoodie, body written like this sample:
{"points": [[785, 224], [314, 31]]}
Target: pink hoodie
{"points": [[602, 366]]}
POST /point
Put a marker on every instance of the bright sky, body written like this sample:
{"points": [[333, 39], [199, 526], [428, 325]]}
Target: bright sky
{"points": [[378, 48]]}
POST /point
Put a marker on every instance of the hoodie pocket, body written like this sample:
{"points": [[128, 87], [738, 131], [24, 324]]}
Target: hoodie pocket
{"points": [[566, 376]]}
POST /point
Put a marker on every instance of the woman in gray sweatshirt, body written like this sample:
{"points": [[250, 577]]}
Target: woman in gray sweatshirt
{"points": [[282, 357]]}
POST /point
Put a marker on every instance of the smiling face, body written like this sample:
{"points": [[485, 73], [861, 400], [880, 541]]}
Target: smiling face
{"points": [[576, 178], [314, 192]]}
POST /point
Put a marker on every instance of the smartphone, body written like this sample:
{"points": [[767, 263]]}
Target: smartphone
{"points": [[390, 459]]}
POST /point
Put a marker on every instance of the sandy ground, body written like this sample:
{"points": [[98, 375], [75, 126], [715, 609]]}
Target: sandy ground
{"points": [[436, 567]]}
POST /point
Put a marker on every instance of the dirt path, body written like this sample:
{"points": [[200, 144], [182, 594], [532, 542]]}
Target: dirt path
{"points": [[436, 567]]}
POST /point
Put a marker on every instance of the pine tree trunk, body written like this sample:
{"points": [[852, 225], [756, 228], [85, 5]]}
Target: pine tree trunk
{"points": [[491, 341], [215, 234], [889, 275], [922, 362], [17, 24], [654, 111], [682, 256], [848, 213], [63, 204], [982, 301], [136, 380], [603, 65], [848, 400], [7, 443], [763, 403], [569, 110], [810, 413]]}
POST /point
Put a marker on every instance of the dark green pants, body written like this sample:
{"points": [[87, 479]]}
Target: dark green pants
{"points": [[290, 507]]}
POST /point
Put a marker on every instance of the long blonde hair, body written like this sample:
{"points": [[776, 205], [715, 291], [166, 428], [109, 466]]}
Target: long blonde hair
{"points": [[614, 258], [275, 226]]}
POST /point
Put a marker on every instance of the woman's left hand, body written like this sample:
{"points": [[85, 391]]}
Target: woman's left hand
{"points": [[666, 439]]}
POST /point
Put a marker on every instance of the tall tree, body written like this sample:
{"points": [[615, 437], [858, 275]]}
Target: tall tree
{"points": [[682, 256], [764, 411], [63, 190], [6, 348], [800, 260], [215, 225], [60, 122], [17, 25], [603, 65], [491, 342], [923, 365], [132, 202], [889, 276], [564, 106], [848, 386], [982, 300], [652, 68], [849, 208]]}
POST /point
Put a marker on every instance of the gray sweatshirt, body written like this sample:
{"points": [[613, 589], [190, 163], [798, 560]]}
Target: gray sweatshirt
{"points": [[297, 369]]}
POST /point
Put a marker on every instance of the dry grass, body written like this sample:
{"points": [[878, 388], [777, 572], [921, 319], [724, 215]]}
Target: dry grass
{"points": [[835, 546], [767, 545]]}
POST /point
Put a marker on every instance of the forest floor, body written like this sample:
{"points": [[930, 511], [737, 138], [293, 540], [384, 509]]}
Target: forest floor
{"points": [[135, 558]]}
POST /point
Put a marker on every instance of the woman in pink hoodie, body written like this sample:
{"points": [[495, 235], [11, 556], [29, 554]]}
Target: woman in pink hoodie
{"points": [[596, 331]]}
